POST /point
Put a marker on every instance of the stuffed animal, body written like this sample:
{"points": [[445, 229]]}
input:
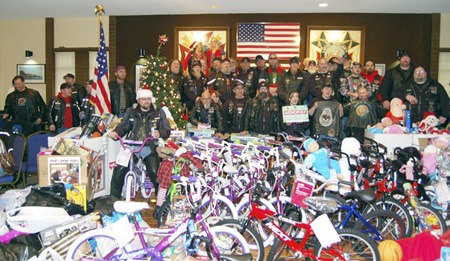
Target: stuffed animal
{"points": [[408, 169], [351, 147], [428, 124], [396, 111], [394, 129], [429, 161], [379, 127], [319, 159]]}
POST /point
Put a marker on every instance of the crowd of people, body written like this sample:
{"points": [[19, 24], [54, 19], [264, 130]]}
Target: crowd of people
{"points": [[342, 97]]}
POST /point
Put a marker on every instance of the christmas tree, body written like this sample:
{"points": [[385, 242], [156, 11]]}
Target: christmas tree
{"points": [[156, 75]]}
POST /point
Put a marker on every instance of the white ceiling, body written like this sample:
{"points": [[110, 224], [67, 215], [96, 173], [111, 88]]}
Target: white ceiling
{"points": [[32, 9]]}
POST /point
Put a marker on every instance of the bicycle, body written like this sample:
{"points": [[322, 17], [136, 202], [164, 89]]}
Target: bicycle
{"points": [[136, 176], [219, 243]]}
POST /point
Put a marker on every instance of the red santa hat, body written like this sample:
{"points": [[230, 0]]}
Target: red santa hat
{"points": [[145, 92]]}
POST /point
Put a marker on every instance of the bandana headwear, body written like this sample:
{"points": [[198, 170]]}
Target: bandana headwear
{"points": [[145, 93]]}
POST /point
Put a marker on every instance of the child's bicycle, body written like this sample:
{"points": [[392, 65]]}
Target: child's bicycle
{"points": [[127, 240], [137, 176]]}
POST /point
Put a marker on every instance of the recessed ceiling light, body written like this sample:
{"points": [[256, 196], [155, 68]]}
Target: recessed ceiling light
{"points": [[323, 5], [214, 7]]}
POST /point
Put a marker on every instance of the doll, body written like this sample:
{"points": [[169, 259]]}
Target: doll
{"points": [[351, 147], [396, 111], [429, 161], [319, 159]]}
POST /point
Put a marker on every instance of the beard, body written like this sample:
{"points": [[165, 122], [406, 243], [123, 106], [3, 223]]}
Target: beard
{"points": [[312, 71], [263, 95]]}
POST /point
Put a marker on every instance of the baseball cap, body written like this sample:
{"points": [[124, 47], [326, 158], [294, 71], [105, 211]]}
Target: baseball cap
{"points": [[245, 59], [69, 75], [294, 60], [64, 85], [259, 57]]}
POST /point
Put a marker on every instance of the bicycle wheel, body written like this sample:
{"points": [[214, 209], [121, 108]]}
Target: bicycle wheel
{"points": [[254, 240], [228, 242], [243, 209], [396, 206], [354, 245], [387, 223], [432, 218], [128, 190], [220, 207], [96, 244]]}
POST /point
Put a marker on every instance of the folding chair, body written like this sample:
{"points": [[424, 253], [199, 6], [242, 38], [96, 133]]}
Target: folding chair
{"points": [[17, 143], [35, 142]]}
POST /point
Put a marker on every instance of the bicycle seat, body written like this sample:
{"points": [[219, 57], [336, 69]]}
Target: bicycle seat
{"points": [[366, 195], [129, 206], [229, 169], [244, 257], [321, 204]]}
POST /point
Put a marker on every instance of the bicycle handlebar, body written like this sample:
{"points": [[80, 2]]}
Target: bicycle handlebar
{"points": [[134, 142]]}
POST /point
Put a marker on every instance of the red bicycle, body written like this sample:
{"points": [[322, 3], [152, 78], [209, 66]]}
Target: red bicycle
{"points": [[298, 240]]}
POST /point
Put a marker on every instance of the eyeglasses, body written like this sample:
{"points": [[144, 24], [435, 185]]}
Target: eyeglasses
{"points": [[419, 72]]}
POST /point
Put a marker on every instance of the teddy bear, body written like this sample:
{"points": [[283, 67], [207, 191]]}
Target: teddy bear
{"points": [[391, 128], [429, 161], [379, 127], [319, 159], [428, 125], [396, 111], [352, 148]]}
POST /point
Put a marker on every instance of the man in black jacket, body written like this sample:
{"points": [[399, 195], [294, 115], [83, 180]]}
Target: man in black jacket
{"points": [[139, 122], [78, 90], [123, 93], [64, 111], [207, 112], [24, 107]]}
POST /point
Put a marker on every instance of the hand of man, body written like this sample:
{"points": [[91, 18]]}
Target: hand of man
{"points": [[112, 135], [412, 99], [52, 127], [6, 115], [38, 121], [386, 105]]}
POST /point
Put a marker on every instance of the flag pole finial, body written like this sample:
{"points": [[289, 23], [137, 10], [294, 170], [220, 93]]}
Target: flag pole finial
{"points": [[99, 10]]}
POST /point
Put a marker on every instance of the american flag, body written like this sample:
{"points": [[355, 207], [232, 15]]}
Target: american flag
{"points": [[100, 88], [265, 38]]}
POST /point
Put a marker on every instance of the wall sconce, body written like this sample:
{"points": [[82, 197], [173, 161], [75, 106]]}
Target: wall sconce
{"points": [[141, 53], [28, 53]]}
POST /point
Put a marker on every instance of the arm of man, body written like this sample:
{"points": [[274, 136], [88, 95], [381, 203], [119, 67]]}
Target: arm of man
{"points": [[444, 102], [386, 89]]}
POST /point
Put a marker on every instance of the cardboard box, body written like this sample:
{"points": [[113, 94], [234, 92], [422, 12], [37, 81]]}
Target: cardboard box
{"points": [[68, 169]]}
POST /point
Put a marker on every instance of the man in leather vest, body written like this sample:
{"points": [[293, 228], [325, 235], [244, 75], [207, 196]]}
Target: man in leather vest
{"points": [[235, 109], [139, 122], [294, 78], [396, 77], [78, 90], [374, 78], [24, 107], [424, 96], [194, 85], [123, 93], [63, 110], [264, 114], [207, 112], [274, 75], [223, 81], [246, 74]]}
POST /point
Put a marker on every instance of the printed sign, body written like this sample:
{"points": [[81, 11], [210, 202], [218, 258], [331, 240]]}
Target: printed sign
{"points": [[298, 113], [302, 189]]}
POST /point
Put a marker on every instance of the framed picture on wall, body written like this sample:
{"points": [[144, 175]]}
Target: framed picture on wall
{"points": [[336, 41], [139, 71], [32, 73], [201, 43]]}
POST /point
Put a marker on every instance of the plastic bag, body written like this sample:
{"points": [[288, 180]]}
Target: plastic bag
{"points": [[6, 160]]}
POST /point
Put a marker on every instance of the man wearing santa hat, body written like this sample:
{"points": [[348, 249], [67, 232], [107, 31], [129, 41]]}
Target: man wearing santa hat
{"points": [[139, 122]]}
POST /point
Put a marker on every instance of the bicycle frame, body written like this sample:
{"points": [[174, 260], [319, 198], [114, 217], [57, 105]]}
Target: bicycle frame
{"points": [[351, 211], [263, 214]]}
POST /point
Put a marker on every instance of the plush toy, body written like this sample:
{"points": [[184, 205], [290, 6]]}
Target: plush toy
{"points": [[396, 111], [379, 127], [319, 159], [428, 124], [429, 160], [408, 169], [351, 147], [394, 129]]}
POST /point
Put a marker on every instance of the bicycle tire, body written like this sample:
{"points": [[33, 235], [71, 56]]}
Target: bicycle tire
{"points": [[393, 204], [228, 241], [223, 207], [87, 246], [265, 234], [389, 224], [354, 245], [433, 219], [254, 240], [128, 189]]}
